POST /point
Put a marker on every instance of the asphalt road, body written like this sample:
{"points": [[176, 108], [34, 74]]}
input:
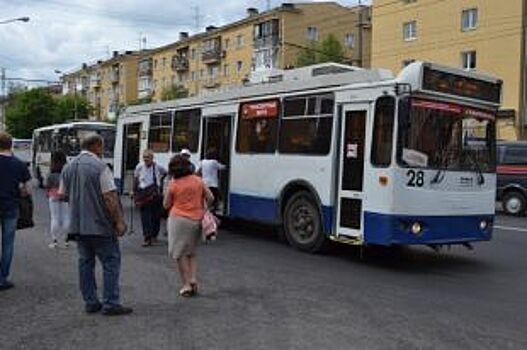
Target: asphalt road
{"points": [[258, 293]]}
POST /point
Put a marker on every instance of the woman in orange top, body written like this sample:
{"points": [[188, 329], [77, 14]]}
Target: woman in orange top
{"points": [[185, 199]]}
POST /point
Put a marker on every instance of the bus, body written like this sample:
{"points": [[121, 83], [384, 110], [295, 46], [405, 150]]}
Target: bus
{"points": [[67, 137], [22, 150], [353, 155]]}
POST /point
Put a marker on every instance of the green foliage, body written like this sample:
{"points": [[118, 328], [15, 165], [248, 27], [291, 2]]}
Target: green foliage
{"points": [[329, 50], [174, 92], [28, 110]]}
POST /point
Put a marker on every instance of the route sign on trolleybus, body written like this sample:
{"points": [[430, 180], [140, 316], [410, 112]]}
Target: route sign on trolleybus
{"points": [[352, 155]]}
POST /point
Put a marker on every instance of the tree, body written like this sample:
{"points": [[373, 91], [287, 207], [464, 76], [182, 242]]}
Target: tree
{"points": [[329, 50], [29, 110], [67, 105], [174, 92]]}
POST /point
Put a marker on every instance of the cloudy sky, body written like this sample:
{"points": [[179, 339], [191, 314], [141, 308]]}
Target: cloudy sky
{"points": [[64, 33]]}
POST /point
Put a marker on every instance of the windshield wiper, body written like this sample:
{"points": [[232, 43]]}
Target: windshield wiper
{"points": [[481, 178], [437, 177]]}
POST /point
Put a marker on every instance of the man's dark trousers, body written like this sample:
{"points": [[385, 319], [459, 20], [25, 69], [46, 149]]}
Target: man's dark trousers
{"points": [[151, 219]]}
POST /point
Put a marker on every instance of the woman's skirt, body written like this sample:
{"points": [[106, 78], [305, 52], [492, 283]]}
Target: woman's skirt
{"points": [[183, 236]]}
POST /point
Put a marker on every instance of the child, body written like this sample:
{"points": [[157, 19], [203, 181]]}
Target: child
{"points": [[58, 208]]}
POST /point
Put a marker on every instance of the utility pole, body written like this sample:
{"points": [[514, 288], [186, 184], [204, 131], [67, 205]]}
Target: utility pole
{"points": [[3, 99]]}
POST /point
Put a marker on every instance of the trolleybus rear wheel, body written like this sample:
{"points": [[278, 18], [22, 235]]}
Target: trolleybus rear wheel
{"points": [[302, 223], [514, 203]]}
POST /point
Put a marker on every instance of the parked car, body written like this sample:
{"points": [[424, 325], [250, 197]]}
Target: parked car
{"points": [[512, 177]]}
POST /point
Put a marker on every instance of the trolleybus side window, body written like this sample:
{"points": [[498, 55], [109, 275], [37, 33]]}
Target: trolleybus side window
{"points": [[159, 133], [258, 126], [44, 141], [381, 153], [185, 131], [306, 125]]}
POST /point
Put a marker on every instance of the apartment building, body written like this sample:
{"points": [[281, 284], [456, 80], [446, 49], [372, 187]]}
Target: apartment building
{"points": [[108, 85], [482, 35], [223, 57]]}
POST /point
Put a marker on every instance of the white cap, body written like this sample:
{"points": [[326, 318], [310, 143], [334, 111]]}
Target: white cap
{"points": [[185, 152]]}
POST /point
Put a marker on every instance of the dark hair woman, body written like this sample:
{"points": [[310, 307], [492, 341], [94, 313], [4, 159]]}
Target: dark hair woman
{"points": [[185, 200], [58, 208]]}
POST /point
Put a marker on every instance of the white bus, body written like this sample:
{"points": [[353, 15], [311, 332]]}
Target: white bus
{"points": [[352, 155], [22, 150], [67, 137]]}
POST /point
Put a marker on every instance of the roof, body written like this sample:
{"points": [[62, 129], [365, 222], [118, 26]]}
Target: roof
{"points": [[74, 124], [337, 79]]}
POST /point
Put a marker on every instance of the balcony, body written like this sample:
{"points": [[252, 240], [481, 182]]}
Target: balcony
{"points": [[114, 76], [211, 83], [180, 63], [266, 42], [95, 82], [145, 93], [145, 68], [212, 56]]}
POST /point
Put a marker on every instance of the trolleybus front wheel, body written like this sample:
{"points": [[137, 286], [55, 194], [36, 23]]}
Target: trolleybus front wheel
{"points": [[302, 223]]}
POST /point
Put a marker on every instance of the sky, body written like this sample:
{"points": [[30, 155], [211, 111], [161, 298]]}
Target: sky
{"points": [[62, 34]]}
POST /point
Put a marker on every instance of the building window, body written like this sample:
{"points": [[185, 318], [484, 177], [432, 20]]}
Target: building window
{"points": [[192, 76], [468, 60], [225, 69], [381, 152], [407, 62], [469, 19], [410, 30], [312, 33], [226, 43], [406, 2], [192, 54], [164, 62], [159, 132], [349, 41], [239, 66], [185, 131], [258, 127], [239, 41], [306, 125], [201, 74]]}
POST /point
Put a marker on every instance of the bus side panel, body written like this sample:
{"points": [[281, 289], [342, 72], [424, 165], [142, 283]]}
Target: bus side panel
{"points": [[257, 181], [118, 155]]}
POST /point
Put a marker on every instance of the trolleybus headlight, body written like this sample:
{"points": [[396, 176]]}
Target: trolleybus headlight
{"points": [[417, 228], [483, 225]]}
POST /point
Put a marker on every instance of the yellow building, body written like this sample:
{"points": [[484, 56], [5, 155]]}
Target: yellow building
{"points": [[227, 56], [482, 35], [108, 85]]}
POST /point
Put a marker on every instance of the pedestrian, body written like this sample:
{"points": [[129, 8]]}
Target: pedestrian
{"points": [[58, 207], [186, 199], [185, 152], [14, 183], [96, 223], [209, 169], [148, 187]]}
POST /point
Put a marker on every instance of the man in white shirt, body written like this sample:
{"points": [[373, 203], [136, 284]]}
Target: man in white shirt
{"points": [[146, 175], [209, 169]]}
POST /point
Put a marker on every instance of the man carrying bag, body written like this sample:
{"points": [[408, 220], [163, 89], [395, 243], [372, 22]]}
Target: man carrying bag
{"points": [[148, 196]]}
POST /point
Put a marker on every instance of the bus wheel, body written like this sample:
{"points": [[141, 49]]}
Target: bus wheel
{"points": [[302, 223], [514, 203]]}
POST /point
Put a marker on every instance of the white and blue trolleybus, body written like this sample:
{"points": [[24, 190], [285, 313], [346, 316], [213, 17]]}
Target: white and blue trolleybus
{"points": [[341, 153]]}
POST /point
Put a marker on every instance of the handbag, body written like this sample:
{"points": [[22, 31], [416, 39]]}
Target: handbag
{"points": [[149, 194], [25, 215], [209, 226]]}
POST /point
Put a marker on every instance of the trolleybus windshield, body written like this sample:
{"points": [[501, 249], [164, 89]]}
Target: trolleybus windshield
{"points": [[446, 136]]}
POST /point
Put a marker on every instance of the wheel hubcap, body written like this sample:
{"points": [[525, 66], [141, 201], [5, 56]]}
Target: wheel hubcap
{"points": [[513, 205], [302, 222]]}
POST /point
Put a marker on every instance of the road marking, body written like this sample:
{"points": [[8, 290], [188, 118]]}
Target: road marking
{"points": [[510, 228]]}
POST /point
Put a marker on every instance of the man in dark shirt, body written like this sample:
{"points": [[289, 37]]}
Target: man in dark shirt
{"points": [[14, 181]]}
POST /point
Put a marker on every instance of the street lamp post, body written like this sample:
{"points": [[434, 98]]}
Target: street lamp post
{"points": [[20, 19], [57, 71]]}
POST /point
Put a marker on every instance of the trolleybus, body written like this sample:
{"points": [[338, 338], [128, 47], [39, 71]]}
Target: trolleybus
{"points": [[354, 155], [67, 137]]}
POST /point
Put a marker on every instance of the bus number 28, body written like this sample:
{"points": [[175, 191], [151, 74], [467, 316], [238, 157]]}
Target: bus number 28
{"points": [[415, 178]]}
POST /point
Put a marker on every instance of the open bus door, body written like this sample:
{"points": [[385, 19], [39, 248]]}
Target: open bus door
{"points": [[217, 136], [131, 154], [350, 195]]}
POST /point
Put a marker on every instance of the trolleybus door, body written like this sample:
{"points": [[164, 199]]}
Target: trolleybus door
{"points": [[217, 135], [131, 154], [351, 171]]}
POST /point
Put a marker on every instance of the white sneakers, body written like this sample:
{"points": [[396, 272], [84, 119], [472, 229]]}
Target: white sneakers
{"points": [[55, 244]]}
